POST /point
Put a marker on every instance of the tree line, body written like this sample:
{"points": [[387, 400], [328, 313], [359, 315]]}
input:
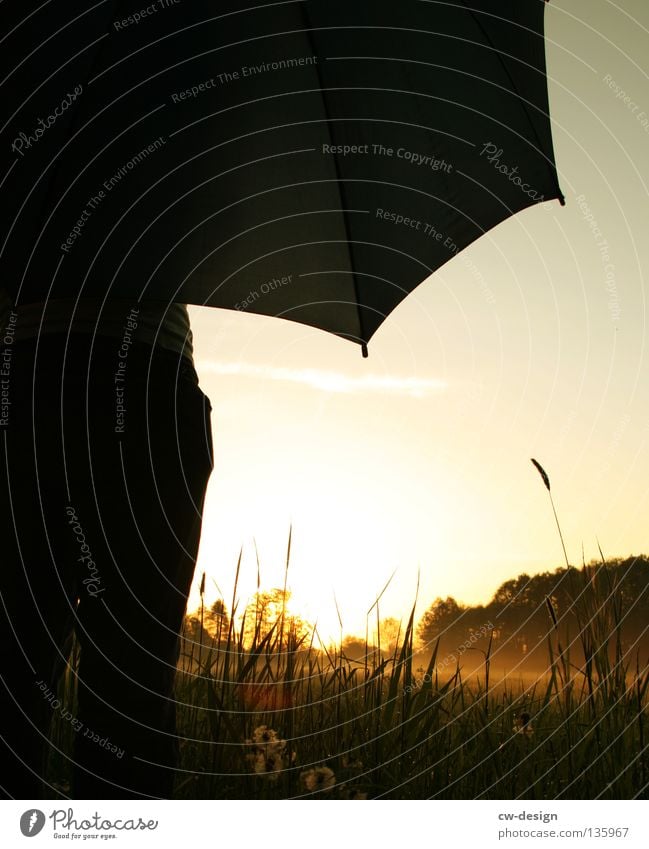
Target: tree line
{"points": [[527, 610], [514, 625]]}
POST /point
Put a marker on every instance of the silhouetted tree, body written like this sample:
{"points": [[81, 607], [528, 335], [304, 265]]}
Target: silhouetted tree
{"points": [[217, 620], [442, 619]]}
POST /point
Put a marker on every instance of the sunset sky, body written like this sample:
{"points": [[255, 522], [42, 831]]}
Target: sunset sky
{"points": [[531, 343]]}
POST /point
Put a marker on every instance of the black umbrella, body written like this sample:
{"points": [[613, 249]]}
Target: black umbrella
{"points": [[309, 159]]}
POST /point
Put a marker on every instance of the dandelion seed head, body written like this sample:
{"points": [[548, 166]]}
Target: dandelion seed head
{"points": [[523, 724], [320, 778], [267, 754], [356, 794], [348, 762], [264, 734]]}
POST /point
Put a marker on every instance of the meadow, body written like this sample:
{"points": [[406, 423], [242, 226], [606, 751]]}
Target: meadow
{"points": [[279, 717], [265, 710]]}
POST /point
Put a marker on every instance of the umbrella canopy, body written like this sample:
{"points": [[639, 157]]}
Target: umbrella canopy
{"points": [[309, 159]]}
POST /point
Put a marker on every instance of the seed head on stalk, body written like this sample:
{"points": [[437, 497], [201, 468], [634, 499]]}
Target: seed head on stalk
{"points": [[546, 481]]}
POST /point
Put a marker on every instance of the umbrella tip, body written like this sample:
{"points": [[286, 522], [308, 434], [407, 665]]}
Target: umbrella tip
{"points": [[364, 349]]}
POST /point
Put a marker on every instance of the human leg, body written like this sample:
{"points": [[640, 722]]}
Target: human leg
{"points": [[142, 492]]}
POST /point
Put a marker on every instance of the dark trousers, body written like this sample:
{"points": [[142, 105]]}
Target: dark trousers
{"points": [[101, 496]]}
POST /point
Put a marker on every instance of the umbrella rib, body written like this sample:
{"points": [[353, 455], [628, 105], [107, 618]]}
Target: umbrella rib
{"points": [[521, 99], [307, 30]]}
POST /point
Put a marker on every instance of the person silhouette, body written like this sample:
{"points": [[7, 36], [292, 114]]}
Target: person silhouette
{"points": [[106, 452]]}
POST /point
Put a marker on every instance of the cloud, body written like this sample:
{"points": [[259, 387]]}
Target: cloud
{"points": [[327, 381]]}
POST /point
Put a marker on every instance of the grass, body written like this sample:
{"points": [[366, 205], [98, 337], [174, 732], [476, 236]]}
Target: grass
{"points": [[266, 711], [389, 732]]}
